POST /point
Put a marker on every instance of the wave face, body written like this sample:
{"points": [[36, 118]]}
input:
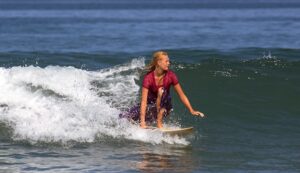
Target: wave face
{"points": [[63, 97]]}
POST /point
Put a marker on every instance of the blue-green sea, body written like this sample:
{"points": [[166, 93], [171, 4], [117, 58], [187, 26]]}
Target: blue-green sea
{"points": [[69, 68]]}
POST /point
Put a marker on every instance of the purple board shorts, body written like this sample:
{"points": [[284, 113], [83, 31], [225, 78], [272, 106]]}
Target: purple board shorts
{"points": [[133, 114]]}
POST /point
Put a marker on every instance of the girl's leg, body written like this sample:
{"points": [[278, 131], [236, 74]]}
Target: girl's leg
{"points": [[160, 112], [160, 117], [158, 100]]}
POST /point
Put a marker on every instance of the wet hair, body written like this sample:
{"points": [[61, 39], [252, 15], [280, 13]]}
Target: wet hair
{"points": [[155, 58]]}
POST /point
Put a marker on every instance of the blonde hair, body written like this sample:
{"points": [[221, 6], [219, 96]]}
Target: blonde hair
{"points": [[155, 58]]}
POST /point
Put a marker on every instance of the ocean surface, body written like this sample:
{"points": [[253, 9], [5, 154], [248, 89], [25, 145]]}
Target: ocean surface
{"points": [[68, 68]]}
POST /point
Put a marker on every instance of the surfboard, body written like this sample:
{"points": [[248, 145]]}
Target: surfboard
{"points": [[174, 131]]}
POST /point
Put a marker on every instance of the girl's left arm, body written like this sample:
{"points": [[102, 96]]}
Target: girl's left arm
{"points": [[186, 101]]}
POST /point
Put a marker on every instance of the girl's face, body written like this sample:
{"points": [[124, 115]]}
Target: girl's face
{"points": [[163, 62]]}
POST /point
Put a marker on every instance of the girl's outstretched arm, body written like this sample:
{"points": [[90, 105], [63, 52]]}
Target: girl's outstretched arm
{"points": [[143, 107], [186, 101]]}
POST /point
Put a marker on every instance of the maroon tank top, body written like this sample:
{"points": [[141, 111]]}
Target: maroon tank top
{"points": [[149, 82]]}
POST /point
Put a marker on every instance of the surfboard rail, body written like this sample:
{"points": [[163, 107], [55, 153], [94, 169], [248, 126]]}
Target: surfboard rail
{"points": [[173, 131]]}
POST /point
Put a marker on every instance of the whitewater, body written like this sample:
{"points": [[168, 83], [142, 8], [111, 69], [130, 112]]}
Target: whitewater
{"points": [[63, 104]]}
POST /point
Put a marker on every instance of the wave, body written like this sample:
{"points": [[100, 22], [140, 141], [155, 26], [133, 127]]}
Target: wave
{"points": [[62, 97], [61, 104], [254, 69]]}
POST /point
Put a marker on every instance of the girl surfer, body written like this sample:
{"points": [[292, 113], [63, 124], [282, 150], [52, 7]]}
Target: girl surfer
{"points": [[156, 99]]}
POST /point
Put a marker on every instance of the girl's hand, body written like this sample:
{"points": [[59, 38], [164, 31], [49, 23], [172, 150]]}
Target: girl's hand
{"points": [[197, 113]]}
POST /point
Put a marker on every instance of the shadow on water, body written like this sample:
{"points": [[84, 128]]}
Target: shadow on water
{"points": [[162, 162], [163, 158]]}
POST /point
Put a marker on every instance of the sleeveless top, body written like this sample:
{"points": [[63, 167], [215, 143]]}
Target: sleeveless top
{"points": [[149, 82]]}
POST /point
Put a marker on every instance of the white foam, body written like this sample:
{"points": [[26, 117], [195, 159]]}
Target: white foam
{"points": [[59, 104]]}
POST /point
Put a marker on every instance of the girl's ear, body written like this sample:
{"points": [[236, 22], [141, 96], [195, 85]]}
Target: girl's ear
{"points": [[158, 62]]}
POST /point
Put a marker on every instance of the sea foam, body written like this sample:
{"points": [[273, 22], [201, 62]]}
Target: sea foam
{"points": [[61, 104]]}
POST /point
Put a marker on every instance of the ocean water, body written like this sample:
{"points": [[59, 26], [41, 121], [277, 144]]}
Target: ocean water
{"points": [[68, 68]]}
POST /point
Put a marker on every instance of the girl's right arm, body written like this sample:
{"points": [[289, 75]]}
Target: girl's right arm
{"points": [[186, 101], [143, 107]]}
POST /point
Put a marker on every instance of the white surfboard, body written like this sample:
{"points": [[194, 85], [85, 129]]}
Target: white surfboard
{"points": [[174, 131]]}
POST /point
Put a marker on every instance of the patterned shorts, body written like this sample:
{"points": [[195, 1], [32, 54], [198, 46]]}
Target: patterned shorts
{"points": [[133, 114]]}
